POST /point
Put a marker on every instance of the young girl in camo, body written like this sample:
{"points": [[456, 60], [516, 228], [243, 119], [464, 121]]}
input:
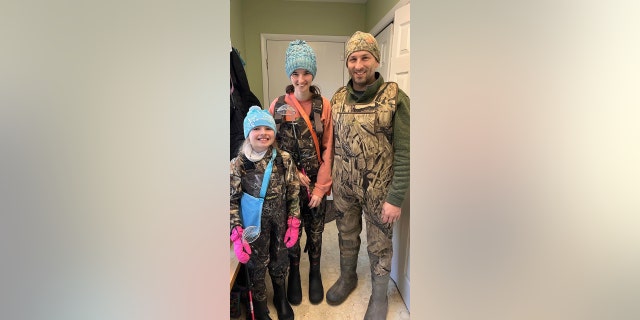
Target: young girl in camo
{"points": [[280, 219]]}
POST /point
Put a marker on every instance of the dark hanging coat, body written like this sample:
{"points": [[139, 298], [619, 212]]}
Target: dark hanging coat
{"points": [[241, 99]]}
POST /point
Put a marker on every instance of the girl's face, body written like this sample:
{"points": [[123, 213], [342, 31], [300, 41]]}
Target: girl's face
{"points": [[261, 137], [301, 79]]}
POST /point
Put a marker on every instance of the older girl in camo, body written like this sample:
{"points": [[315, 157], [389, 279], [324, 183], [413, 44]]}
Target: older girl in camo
{"points": [[305, 131]]}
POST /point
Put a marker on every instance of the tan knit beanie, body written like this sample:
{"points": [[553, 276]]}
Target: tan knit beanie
{"points": [[362, 41]]}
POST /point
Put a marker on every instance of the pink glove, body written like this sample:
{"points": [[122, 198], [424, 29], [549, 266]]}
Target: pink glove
{"points": [[291, 236], [240, 246]]}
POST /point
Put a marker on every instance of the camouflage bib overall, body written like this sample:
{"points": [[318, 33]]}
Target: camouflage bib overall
{"points": [[362, 171], [268, 251], [300, 145], [302, 149]]}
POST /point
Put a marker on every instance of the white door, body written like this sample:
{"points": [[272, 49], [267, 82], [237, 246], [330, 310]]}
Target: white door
{"points": [[400, 50], [384, 43], [399, 72], [331, 70]]}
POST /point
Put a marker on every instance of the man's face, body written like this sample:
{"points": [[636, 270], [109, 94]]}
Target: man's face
{"points": [[362, 69]]}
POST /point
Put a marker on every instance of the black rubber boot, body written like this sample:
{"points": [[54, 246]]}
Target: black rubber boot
{"points": [[316, 290], [260, 310], [378, 302], [294, 289], [347, 282], [283, 308]]}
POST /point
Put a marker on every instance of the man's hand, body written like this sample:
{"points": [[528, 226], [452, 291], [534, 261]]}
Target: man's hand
{"points": [[390, 213]]}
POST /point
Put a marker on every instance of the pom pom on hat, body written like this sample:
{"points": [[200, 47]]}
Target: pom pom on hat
{"points": [[299, 55], [257, 117], [362, 41]]}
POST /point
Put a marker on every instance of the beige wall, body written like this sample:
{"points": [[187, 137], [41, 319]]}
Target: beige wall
{"points": [[250, 18]]}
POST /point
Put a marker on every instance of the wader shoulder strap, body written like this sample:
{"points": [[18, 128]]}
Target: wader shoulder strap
{"points": [[267, 174], [340, 94], [248, 165], [388, 89], [277, 116], [316, 109]]}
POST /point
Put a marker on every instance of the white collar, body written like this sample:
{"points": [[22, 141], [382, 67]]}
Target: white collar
{"points": [[252, 155]]}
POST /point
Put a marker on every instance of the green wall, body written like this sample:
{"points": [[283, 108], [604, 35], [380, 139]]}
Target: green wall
{"points": [[237, 25], [376, 9], [250, 18]]}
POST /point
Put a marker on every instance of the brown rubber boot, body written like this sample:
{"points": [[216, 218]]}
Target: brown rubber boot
{"points": [[378, 302], [347, 282]]}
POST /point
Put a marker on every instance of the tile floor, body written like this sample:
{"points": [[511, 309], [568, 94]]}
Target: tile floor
{"points": [[355, 306]]}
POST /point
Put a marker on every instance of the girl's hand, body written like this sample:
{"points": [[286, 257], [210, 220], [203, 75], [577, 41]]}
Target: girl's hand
{"points": [[291, 235], [315, 201], [240, 246], [304, 180]]}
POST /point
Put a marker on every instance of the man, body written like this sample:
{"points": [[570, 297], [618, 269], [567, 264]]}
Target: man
{"points": [[370, 169]]}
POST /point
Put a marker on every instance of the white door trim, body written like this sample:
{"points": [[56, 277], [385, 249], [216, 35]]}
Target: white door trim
{"points": [[399, 72], [270, 36]]}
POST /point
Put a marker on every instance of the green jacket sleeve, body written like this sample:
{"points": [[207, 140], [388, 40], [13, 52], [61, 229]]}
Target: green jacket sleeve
{"points": [[401, 163]]}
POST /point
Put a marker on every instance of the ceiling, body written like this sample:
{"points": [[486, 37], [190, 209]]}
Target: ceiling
{"points": [[345, 1]]}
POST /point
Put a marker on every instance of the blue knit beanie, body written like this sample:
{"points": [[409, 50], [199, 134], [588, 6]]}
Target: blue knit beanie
{"points": [[299, 55], [257, 117]]}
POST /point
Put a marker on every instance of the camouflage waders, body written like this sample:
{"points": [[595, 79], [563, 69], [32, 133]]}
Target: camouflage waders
{"points": [[313, 222], [312, 219], [268, 252], [362, 172], [295, 137]]}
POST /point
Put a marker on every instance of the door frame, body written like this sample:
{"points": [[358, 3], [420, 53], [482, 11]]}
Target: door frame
{"points": [[385, 50], [387, 18], [400, 269], [264, 37]]}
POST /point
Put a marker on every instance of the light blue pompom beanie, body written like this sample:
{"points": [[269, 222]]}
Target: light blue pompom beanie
{"points": [[300, 55], [257, 117]]}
